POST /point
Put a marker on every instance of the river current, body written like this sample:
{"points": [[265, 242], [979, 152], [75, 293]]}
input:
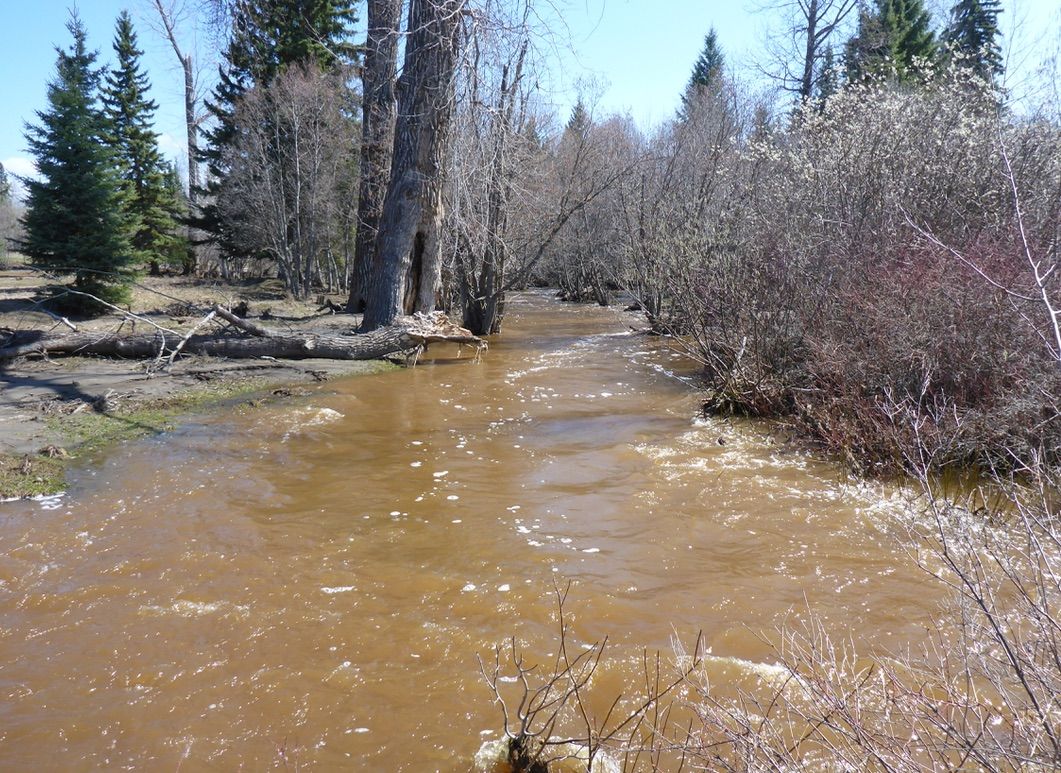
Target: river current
{"points": [[307, 584]]}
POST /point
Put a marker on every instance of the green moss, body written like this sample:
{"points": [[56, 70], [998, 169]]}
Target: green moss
{"points": [[30, 476]]}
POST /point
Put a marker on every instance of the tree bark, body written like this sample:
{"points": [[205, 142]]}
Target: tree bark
{"points": [[810, 53], [378, 114], [406, 265], [408, 334]]}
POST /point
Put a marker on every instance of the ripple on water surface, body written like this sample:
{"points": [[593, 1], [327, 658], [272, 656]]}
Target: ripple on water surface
{"points": [[310, 583]]}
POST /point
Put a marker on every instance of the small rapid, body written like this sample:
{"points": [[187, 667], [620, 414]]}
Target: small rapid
{"points": [[310, 583]]}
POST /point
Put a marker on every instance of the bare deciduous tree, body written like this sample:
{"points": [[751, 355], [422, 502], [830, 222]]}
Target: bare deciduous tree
{"points": [[288, 166], [797, 49], [171, 14], [518, 189], [8, 213]]}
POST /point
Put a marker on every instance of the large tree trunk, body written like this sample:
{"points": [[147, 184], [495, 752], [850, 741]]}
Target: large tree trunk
{"points": [[408, 334], [378, 113], [407, 245], [810, 53]]}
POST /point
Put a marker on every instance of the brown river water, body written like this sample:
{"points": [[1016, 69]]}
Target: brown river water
{"points": [[308, 584]]}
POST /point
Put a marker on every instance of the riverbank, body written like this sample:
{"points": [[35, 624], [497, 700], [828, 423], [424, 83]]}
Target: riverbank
{"points": [[54, 411]]}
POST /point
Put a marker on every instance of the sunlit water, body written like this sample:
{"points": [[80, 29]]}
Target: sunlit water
{"points": [[308, 585]]}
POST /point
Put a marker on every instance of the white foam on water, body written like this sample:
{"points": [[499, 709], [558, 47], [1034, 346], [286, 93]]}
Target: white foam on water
{"points": [[46, 501], [309, 417], [184, 608]]}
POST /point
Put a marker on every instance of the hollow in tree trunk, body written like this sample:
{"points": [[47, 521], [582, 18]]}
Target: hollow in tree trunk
{"points": [[406, 268]]}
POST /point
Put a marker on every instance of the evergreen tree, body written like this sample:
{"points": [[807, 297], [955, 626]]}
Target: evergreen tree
{"points": [[707, 72], [6, 211], [580, 122], [972, 37], [894, 40], [178, 249], [708, 67], [861, 52], [828, 80], [77, 217], [130, 117]]}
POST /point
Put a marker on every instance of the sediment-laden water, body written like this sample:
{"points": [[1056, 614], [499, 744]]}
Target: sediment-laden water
{"points": [[309, 585]]}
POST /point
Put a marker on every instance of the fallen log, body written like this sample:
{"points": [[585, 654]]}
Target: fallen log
{"points": [[253, 340]]}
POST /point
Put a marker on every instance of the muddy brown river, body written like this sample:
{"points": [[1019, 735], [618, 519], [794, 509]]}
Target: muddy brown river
{"points": [[307, 584]]}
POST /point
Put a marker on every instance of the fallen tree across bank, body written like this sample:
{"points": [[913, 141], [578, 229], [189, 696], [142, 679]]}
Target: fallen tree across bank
{"points": [[243, 339]]}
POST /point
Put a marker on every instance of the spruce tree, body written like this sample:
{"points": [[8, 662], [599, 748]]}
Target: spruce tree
{"points": [[828, 81], [76, 215], [179, 249], [708, 66], [707, 71], [130, 117], [6, 219], [862, 51], [580, 122], [972, 37], [895, 40]]}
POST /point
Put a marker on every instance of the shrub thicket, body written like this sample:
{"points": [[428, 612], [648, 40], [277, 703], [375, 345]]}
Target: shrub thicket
{"points": [[866, 271]]}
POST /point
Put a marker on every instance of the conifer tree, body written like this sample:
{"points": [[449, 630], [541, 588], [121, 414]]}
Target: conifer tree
{"points": [[268, 36], [828, 81], [76, 217], [708, 66], [6, 213], [895, 40], [972, 37], [707, 72], [580, 122], [130, 120]]}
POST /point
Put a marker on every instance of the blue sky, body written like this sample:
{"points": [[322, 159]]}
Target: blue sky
{"points": [[639, 52]]}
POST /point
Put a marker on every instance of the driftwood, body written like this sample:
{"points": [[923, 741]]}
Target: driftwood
{"points": [[253, 340]]}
